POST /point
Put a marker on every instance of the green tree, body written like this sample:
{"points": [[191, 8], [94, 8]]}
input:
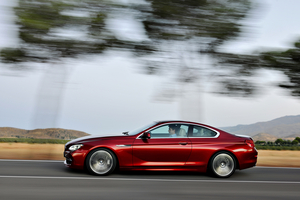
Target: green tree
{"points": [[269, 143], [279, 141], [295, 142], [288, 142], [260, 142]]}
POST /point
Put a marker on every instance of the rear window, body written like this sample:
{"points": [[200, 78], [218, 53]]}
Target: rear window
{"points": [[199, 131]]}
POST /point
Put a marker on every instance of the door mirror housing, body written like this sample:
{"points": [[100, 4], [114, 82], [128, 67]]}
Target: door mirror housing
{"points": [[146, 135]]}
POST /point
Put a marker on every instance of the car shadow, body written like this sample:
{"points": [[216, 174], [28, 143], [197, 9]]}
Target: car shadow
{"points": [[75, 171], [162, 174], [118, 173], [159, 173]]}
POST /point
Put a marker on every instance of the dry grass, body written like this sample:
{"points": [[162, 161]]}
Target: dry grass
{"points": [[25, 151], [278, 158]]}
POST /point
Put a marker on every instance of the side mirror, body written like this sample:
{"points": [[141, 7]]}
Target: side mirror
{"points": [[146, 135]]}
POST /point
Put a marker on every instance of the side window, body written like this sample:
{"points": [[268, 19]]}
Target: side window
{"points": [[199, 131], [170, 130], [160, 132]]}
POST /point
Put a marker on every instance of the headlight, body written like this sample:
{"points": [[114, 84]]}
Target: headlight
{"points": [[75, 147]]}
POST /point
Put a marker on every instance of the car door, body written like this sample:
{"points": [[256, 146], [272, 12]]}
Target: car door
{"points": [[161, 150]]}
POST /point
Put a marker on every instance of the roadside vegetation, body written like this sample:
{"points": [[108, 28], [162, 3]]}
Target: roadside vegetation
{"points": [[279, 144], [33, 141]]}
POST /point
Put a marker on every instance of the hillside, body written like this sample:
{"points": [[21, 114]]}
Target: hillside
{"points": [[49, 133], [283, 127], [265, 137]]}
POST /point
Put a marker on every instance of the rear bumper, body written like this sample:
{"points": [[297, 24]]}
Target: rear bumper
{"points": [[250, 159]]}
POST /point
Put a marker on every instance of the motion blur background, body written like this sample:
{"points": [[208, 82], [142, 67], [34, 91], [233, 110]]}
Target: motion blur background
{"points": [[110, 66]]}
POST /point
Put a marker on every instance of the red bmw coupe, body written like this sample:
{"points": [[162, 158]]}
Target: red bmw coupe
{"points": [[164, 145]]}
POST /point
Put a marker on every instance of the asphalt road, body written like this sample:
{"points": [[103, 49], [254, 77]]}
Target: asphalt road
{"points": [[52, 180]]}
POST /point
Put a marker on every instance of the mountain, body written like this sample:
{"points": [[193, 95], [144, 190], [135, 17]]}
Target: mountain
{"points": [[49, 133], [265, 137], [283, 127]]}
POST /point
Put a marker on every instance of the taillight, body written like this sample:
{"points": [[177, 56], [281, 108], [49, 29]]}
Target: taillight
{"points": [[250, 143]]}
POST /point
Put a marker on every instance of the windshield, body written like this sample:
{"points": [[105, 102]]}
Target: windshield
{"points": [[136, 131]]}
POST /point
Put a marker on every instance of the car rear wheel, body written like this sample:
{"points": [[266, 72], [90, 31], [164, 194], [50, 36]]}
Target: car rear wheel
{"points": [[222, 164], [101, 162]]}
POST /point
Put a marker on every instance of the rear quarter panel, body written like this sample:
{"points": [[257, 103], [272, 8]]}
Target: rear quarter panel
{"points": [[204, 148]]}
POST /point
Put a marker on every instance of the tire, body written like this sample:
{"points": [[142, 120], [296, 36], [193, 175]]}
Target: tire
{"points": [[222, 164], [101, 162]]}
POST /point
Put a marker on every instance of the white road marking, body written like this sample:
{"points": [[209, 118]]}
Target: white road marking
{"points": [[277, 167], [154, 180]]}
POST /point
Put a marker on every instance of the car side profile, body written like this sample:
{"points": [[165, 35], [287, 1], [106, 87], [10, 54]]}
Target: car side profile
{"points": [[164, 146]]}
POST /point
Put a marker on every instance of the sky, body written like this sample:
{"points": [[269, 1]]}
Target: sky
{"points": [[109, 94]]}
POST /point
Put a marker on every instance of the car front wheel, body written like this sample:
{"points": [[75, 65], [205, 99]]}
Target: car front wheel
{"points": [[222, 164], [101, 162]]}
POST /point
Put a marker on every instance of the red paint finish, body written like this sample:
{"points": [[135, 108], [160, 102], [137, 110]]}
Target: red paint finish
{"points": [[191, 152], [165, 152]]}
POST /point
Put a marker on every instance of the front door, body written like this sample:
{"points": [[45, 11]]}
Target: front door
{"points": [[168, 146]]}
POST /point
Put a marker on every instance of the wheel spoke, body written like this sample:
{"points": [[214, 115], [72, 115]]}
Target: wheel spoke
{"points": [[223, 165], [101, 162]]}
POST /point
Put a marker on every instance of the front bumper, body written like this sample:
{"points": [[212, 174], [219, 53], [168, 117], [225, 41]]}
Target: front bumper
{"points": [[69, 158], [74, 159]]}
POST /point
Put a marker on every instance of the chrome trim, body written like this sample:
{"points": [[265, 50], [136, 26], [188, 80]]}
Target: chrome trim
{"points": [[183, 123], [167, 137], [207, 137], [123, 145], [244, 136]]}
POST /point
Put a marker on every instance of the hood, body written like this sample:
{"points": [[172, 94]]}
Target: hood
{"points": [[87, 138]]}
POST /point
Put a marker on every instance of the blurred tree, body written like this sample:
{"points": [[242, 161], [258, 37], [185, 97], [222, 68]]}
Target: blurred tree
{"points": [[289, 63], [298, 139], [52, 30], [182, 31], [260, 142], [295, 142], [279, 141], [47, 29]]}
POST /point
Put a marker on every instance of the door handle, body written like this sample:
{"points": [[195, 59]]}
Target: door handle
{"points": [[183, 143]]}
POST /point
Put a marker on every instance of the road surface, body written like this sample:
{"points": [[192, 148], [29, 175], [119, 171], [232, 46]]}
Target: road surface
{"points": [[52, 180]]}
